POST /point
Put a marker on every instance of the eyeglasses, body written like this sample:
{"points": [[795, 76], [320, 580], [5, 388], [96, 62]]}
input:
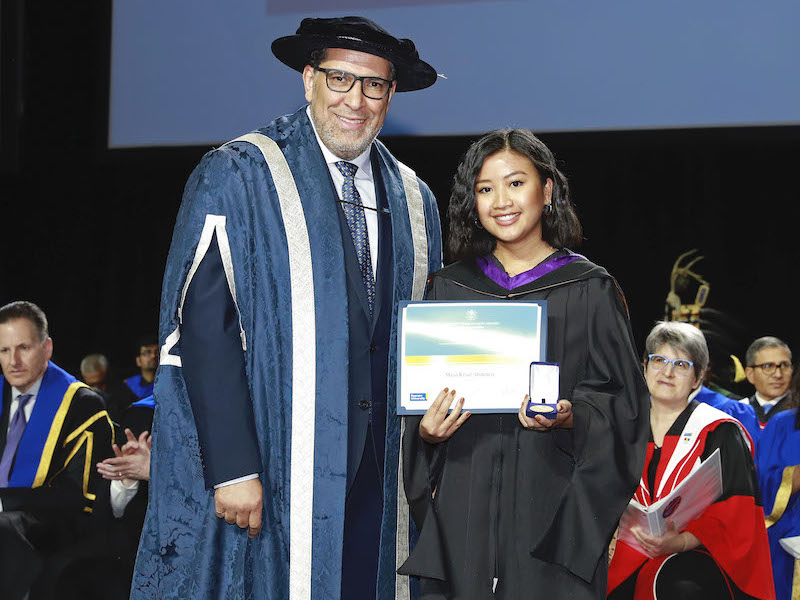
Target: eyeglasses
{"points": [[374, 88], [680, 365], [769, 368]]}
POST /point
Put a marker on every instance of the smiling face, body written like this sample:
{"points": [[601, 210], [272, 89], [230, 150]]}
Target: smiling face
{"points": [[23, 356], [347, 122], [509, 198], [667, 386], [775, 384]]}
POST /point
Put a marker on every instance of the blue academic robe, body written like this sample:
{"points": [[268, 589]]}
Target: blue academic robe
{"points": [[287, 277], [139, 387], [778, 456], [740, 411], [68, 423]]}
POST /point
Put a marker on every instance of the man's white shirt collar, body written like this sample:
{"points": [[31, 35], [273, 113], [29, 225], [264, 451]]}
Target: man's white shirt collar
{"points": [[15, 394], [764, 402], [33, 391]]}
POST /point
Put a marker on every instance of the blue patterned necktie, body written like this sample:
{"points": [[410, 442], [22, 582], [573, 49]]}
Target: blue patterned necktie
{"points": [[354, 213], [15, 431]]}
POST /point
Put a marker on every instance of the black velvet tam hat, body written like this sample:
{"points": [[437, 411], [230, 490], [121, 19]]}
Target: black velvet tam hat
{"points": [[356, 33]]}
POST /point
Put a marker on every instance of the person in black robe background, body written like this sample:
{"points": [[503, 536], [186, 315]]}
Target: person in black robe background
{"points": [[509, 505]]}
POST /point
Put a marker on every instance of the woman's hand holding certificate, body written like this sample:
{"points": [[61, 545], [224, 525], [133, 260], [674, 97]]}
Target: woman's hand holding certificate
{"points": [[563, 420], [436, 426]]}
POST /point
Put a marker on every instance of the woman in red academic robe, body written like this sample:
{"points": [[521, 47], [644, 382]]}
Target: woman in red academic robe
{"points": [[723, 552]]}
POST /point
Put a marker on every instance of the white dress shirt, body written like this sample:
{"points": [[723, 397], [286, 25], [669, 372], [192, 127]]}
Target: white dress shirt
{"points": [[12, 408], [121, 496], [763, 402], [15, 394]]}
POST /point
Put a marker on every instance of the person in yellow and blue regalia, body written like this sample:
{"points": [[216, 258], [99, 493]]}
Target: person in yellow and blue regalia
{"points": [[53, 429]]}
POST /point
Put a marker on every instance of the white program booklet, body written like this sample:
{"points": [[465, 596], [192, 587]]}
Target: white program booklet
{"points": [[686, 502]]}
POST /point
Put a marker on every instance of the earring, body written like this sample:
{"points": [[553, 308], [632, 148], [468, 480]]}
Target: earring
{"points": [[478, 223], [547, 210]]}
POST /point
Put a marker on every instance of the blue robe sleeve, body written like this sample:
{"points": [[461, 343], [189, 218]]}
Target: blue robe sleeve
{"points": [[214, 370], [778, 449]]}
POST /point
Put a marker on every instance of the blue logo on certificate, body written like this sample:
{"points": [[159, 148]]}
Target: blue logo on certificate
{"points": [[482, 349]]}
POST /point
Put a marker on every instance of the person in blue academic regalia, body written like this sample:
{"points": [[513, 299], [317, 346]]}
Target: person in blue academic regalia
{"points": [[779, 480], [274, 457], [147, 362], [740, 411], [769, 369]]}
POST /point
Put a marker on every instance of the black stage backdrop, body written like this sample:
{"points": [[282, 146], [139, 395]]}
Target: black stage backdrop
{"points": [[86, 230]]}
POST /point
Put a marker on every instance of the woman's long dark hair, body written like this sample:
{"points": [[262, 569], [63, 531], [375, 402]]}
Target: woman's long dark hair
{"points": [[560, 229]]}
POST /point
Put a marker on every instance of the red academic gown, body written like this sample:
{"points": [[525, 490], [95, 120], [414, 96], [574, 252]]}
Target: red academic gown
{"points": [[731, 530]]}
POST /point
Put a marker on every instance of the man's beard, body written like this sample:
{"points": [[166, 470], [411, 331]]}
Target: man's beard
{"points": [[339, 142]]}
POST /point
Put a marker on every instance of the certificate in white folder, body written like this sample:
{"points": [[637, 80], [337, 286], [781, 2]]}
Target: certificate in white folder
{"points": [[483, 350]]}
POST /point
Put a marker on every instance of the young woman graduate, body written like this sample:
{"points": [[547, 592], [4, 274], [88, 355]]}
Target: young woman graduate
{"points": [[722, 553], [510, 505]]}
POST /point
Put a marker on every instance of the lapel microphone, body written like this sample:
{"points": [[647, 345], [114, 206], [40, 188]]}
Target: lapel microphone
{"points": [[383, 211]]}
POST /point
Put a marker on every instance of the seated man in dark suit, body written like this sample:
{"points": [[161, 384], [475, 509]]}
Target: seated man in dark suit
{"points": [[53, 430]]}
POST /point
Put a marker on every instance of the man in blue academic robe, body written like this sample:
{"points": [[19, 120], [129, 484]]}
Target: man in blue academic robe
{"points": [[274, 396], [741, 411], [141, 385], [769, 369]]}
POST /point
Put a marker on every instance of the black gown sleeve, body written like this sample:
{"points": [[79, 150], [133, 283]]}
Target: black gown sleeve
{"points": [[738, 469], [610, 403], [138, 419], [216, 380]]}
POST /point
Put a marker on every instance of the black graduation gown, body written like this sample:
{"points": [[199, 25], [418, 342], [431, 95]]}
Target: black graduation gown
{"points": [[535, 510]]}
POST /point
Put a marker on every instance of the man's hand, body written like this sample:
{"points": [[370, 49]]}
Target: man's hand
{"points": [[563, 420], [131, 462], [436, 426], [240, 503]]}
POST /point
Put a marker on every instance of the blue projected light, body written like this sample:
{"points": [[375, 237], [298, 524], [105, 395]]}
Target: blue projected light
{"points": [[201, 72]]}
